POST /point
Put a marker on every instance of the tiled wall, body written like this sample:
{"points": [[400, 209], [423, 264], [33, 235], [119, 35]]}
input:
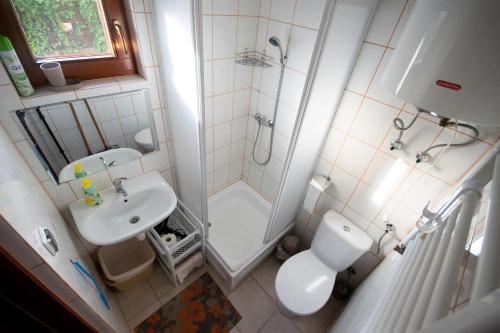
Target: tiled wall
{"points": [[356, 153], [228, 27], [31, 198], [295, 23], [234, 93]]}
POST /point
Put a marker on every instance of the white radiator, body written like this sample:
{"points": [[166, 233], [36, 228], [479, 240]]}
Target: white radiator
{"points": [[416, 296]]}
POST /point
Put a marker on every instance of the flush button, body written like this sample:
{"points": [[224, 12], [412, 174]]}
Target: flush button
{"points": [[346, 228]]}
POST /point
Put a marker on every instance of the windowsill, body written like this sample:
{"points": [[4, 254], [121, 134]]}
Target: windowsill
{"points": [[90, 88]]}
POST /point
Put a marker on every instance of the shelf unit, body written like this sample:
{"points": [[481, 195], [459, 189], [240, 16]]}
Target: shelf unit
{"points": [[171, 257]]}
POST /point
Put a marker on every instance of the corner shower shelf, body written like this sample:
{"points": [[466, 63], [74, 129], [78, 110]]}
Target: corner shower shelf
{"points": [[252, 58], [170, 257]]}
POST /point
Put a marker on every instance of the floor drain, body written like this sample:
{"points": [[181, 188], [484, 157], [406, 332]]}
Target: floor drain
{"points": [[134, 219]]}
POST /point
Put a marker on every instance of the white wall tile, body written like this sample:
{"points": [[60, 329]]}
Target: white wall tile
{"points": [[238, 130], [282, 10], [285, 119], [247, 33], [241, 103], [235, 170], [269, 187], [369, 58], [225, 7], [343, 184], [384, 21], [207, 78], [124, 105], [221, 157], [237, 150], [207, 37], [223, 76], [300, 48], [62, 195], [308, 13], [355, 156], [10, 99], [222, 135], [243, 77], [224, 36], [362, 202], [347, 110], [249, 7], [373, 122], [221, 177], [223, 108], [291, 90], [265, 8], [333, 144], [355, 217]]}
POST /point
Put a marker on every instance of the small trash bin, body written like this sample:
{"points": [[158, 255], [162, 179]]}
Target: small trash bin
{"points": [[126, 264]]}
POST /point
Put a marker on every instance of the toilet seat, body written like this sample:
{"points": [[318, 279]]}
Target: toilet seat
{"points": [[144, 138], [304, 283]]}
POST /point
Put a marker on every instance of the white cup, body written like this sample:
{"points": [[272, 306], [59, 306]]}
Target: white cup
{"points": [[53, 72]]}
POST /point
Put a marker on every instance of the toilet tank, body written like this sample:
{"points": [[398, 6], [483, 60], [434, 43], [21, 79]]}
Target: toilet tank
{"points": [[338, 242]]}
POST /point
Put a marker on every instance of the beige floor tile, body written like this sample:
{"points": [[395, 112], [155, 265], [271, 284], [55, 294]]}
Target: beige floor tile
{"points": [[254, 305], [190, 279], [218, 279], [265, 275], [134, 300], [279, 323], [159, 281], [318, 322], [143, 314]]}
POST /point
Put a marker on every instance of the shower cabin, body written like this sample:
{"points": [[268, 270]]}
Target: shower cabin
{"points": [[251, 99]]}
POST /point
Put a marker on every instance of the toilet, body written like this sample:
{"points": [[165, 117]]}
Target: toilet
{"points": [[144, 139], [305, 282]]}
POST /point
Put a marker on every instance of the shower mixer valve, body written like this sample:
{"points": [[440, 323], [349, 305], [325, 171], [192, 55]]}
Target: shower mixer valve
{"points": [[261, 119], [396, 144]]}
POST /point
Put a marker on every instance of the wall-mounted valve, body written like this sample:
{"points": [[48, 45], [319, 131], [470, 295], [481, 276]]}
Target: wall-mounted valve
{"points": [[396, 144], [421, 156]]}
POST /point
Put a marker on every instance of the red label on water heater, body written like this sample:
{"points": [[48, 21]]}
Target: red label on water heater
{"points": [[449, 85]]}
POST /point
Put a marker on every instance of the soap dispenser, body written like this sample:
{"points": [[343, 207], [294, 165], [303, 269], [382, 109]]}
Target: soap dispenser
{"points": [[91, 196], [79, 172]]}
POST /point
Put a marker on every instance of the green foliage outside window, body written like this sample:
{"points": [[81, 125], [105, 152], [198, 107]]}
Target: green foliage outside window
{"points": [[61, 27]]}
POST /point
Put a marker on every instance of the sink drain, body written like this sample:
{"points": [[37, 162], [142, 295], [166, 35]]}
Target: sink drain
{"points": [[134, 219]]}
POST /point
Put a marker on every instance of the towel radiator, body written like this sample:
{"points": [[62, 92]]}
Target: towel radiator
{"points": [[419, 296]]}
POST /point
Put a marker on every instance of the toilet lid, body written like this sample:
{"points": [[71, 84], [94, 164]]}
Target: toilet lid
{"points": [[304, 283], [144, 137]]}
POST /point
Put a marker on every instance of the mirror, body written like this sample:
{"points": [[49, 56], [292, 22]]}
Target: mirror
{"points": [[96, 133]]}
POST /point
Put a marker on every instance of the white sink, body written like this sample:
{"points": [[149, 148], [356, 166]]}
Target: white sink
{"points": [[149, 198]]}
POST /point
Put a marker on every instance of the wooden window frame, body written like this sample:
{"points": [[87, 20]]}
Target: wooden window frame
{"points": [[85, 69]]}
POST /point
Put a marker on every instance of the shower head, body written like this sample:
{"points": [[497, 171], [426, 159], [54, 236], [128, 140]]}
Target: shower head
{"points": [[275, 41]]}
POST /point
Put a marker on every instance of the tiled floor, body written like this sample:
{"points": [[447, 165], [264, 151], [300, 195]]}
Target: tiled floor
{"points": [[255, 299]]}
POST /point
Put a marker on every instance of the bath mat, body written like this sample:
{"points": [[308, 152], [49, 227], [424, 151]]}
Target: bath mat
{"points": [[201, 307]]}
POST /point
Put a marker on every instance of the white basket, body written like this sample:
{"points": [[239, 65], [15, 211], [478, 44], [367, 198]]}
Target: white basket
{"points": [[172, 256]]}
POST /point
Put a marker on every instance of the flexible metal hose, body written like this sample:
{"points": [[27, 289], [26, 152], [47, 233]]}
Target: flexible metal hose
{"points": [[272, 125]]}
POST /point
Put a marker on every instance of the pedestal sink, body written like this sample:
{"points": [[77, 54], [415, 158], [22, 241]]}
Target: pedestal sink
{"points": [[149, 201]]}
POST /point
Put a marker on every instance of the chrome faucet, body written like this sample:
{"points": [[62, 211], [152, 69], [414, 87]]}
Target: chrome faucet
{"points": [[118, 183], [107, 165]]}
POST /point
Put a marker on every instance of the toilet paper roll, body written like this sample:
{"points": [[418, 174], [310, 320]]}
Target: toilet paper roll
{"points": [[314, 190], [169, 239]]}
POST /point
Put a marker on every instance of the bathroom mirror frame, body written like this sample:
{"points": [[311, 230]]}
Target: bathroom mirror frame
{"points": [[46, 165]]}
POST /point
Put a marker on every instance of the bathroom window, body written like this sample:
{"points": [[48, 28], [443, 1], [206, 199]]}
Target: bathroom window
{"points": [[90, 38]]}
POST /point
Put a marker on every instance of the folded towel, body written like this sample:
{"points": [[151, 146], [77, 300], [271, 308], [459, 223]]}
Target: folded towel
{"points": [[188, 266]]}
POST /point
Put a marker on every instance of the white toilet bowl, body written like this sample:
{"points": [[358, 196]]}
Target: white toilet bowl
{"points": [[305, 282], [144, 140]]}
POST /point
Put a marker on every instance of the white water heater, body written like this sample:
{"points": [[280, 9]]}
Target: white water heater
{"points": [[447, 60]]}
